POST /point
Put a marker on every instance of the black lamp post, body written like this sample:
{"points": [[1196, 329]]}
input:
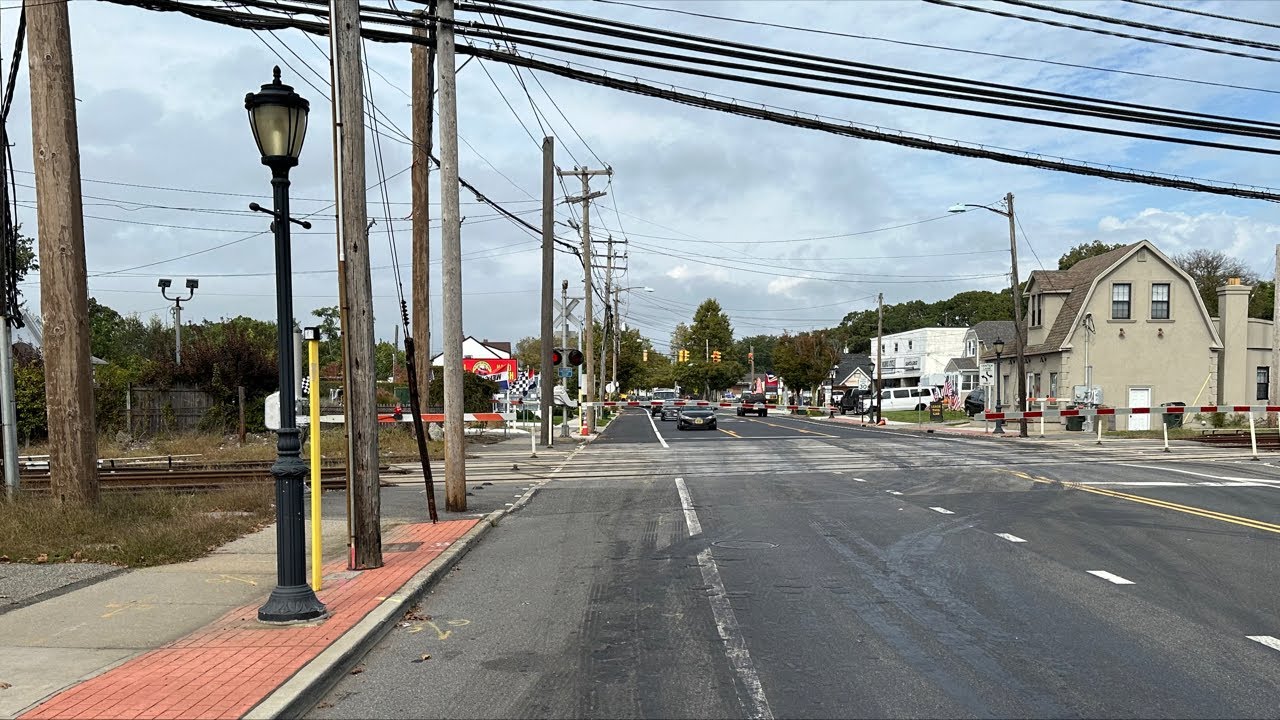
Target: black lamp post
{"points": [[278, 118], [998, 346]]}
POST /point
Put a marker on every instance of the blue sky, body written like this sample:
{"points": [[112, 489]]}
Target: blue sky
{"points": [[164, 109]]}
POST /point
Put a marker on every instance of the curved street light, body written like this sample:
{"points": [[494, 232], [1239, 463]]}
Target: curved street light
{"points": [[278, 118]]}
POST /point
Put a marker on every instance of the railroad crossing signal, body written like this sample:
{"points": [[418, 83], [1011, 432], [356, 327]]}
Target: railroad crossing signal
{"points": [[572, 356]]}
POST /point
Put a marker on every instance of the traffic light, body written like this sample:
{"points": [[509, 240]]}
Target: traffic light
{"points": [[715, 356], [557, 356], [644, 356], [683, 356]]}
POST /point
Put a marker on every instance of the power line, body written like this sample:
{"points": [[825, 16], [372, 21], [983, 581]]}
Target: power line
{"points": [[1202, 13], [1099, 31], [1146, 26], [966, 51]]}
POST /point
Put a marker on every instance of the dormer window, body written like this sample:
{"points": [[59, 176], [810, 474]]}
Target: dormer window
{"points": [[970, 348], [1037, 310]]}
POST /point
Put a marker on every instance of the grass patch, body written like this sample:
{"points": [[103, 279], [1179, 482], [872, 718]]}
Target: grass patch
{"points": [[133, 529], [922, 416]]}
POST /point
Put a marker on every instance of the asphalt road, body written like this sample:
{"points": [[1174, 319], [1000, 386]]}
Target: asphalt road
{"points": [[788, 567]]}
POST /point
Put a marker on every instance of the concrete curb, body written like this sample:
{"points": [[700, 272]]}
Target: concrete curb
{"points": [[300, 693], [64, 589]]}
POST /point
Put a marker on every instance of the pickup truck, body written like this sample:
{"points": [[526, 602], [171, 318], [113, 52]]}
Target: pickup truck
{"points": [[666, 395], [749, 400]]}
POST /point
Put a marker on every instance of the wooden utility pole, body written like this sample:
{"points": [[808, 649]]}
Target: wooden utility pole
{"points": [[1019, 332], [455, 467], [64, 291], [422, 84], [879, 354], [545, 373], [353, 234], [588, 320], [610, 323]]}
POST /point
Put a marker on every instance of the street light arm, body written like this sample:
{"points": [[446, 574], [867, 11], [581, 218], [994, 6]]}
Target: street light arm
{"points": [[958, 208]]}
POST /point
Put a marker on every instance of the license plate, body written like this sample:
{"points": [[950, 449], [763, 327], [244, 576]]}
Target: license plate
{"points": [[697, 421]]}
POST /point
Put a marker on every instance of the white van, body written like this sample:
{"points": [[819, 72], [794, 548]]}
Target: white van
{"points": [[908, 398]]}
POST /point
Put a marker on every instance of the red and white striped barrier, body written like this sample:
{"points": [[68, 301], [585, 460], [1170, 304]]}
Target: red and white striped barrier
{"points": [[1105, 411], [439, 417]]}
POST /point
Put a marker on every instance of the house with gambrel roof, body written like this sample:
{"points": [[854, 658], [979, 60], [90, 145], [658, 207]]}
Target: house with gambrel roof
{"points": [[1129, 321]]}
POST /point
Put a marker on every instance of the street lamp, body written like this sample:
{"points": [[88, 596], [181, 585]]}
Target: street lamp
{"points": [[164, 284], [278, 118], [831, 390], [998, 346], [1016, 288]]}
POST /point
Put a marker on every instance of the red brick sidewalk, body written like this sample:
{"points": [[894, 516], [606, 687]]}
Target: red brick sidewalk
{"points": [[225, 669]]}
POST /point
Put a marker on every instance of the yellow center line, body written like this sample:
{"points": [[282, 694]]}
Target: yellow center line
{"points": [[729, 432], [1163, 504]]}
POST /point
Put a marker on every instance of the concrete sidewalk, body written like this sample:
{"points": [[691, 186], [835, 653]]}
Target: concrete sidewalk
{"points": [[183, 640]]}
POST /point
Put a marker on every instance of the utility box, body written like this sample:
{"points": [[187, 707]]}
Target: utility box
{"points": [[1173, 420]]}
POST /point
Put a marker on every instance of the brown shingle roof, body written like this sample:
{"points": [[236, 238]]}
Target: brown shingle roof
{"points": [[1077, 279]]}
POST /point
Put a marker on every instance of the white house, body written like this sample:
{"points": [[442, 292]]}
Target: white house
{"points": [[482, 349], [918, 357]]}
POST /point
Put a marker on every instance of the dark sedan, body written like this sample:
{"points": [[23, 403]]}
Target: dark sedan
{"points": [[696, 418]]}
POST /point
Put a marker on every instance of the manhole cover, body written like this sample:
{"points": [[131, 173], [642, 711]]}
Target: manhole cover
{"points": [[745, 544], [401, 547]]}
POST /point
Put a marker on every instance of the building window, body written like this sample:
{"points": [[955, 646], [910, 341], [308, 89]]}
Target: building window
{"points": [[895, 347], [1053, 385], [1160, 301], [1120, 301], [909, 344], [970, 348], [1264, 382], [1037, 310]]}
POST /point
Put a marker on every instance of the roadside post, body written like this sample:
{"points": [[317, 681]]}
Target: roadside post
{"points": [[1042, 407], [1253, 436], [1097, 420], [1164, 425], [312, 336]]}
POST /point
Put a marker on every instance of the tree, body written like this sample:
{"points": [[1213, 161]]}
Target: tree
{"points": [[1084, 251], [477, 393], [764, 346], [330, 335], [528, 353], [1210, 270], [104, 332], [386, 357], [804, 360], [710, 331], [1262, 300]]}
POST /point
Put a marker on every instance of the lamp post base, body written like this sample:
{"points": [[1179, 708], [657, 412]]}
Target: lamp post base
{"points": [[292, 604]]}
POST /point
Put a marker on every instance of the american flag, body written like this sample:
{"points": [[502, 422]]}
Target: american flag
{"points": [[949, 395]]}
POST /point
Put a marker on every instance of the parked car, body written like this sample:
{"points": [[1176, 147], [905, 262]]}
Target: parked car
{"points": [[908, 398], [975, 402], [749, 400], [855, 401], [696, 418], [666, 395]]}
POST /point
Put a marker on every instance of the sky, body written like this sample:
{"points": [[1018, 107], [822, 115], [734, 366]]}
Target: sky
{"points": [[772, 221]]}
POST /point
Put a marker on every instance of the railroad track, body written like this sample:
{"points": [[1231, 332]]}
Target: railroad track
{"points": [[331, 478]]}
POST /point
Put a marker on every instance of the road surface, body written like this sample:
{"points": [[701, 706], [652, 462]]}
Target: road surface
{"points": [[789, 567]]}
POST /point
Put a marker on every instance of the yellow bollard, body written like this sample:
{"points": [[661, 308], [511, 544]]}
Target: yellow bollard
{"points": [[313, 361]]}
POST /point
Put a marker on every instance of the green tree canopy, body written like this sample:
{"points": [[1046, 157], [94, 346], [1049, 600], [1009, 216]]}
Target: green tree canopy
{"points": [[1084, 251], [528, 353], [804, 360], [764, 347], [1210, 270]]}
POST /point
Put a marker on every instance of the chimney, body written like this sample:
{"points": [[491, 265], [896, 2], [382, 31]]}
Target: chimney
{"points": [[1235, 379]]}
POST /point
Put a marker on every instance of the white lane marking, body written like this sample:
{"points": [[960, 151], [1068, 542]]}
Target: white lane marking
{"points": [[1230, 478], [942, 510], [859, 480], [1267, 640], [735, 645], [1141, 483], [893, 492], [837, 472], [654, 425], [1109, 577], [1010, 538], [690, 517]]}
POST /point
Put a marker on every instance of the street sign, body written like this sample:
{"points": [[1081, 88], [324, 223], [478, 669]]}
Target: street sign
{"points": [[987, 374], [564, 373]]}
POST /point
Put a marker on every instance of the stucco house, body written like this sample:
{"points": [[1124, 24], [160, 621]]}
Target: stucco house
{"points": [[1131, 322]]}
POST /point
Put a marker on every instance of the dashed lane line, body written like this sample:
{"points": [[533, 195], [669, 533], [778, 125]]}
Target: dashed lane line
{"points": [[942, 510], [1271, 642], [1111, 577], [1010, 538], [686, 502]]}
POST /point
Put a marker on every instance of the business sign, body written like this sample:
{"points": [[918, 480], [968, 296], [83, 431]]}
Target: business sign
{"points": [[496, 369], [910, 364]]}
